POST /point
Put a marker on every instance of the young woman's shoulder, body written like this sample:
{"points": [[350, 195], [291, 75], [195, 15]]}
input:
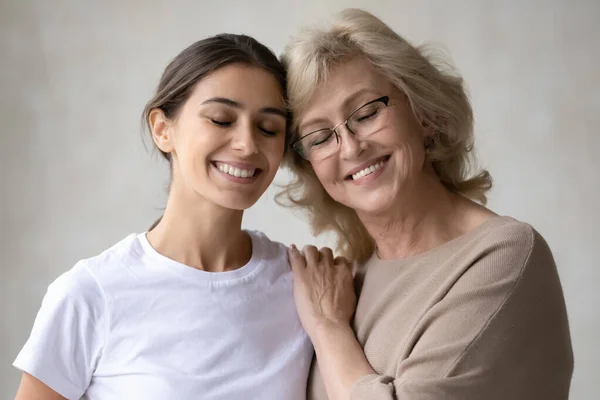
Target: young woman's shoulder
{"points": [[83, 283], [267, 246]]}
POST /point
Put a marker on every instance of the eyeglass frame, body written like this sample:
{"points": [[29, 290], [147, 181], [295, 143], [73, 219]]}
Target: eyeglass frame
{"points": [[383, 99]]}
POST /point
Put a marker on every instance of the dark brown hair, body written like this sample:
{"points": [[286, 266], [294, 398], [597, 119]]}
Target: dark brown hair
{"points": [[202, 58]]}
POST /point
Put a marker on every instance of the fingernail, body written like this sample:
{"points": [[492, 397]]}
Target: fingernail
{"points": [[293, 247]]}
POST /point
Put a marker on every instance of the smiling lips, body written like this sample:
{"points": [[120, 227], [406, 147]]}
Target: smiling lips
{"points": [[235, 171], [369, 169], [252, 172]]}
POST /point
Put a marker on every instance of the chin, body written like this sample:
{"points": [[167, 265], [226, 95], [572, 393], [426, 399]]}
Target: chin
{"points": [[372, 208], [376, 203], [240, 203]]}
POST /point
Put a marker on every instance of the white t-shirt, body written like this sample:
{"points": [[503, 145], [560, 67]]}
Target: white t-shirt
{"points": [[132, 324]]}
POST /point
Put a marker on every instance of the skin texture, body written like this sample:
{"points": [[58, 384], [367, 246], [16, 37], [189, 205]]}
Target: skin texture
{"points": [[33, 389]]}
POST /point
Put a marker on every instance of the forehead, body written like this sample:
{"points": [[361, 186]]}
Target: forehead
{"points": [[242, 83], [348, 84]]}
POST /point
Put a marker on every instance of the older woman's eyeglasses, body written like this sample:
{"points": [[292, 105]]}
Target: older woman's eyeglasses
{"points": [[323, 143]]}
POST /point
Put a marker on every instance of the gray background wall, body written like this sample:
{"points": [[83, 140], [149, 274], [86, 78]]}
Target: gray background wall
{"points": [[76, 177]]}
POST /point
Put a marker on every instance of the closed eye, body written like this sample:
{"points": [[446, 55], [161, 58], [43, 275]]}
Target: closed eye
{"points": [[268, 132], [320, 138], [368, 116], [223, 124]]}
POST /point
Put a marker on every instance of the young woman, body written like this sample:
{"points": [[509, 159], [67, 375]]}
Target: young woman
{"points": [[197, 307]]}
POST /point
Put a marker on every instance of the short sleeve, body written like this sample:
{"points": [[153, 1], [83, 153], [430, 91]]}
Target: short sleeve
{"points": [[68, 334]]}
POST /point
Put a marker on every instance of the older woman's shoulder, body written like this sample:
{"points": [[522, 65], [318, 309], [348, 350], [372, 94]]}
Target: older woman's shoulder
{"points": [[515, 244], [509, 230]]}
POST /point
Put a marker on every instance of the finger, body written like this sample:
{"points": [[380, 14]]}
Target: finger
{"points": [[343, 262], [297, 260], [340, 260], [312, 255], [326, 256]]}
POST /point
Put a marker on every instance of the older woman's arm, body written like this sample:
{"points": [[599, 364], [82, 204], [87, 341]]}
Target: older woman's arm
{"points": [[325, 299], [342, 361], [500, 332]]}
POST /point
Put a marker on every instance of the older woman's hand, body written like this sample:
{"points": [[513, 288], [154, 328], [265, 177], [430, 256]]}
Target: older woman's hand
{"points": [[323, 288]]}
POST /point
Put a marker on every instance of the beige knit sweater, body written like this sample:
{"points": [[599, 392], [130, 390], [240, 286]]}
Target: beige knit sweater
{"points": [[480, 317]]}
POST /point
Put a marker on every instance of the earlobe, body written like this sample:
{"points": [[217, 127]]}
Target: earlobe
{"points": [[161, 130]]}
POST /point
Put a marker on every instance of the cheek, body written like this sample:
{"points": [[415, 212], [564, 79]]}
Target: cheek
{"points": [[408, 154], [273, 151], [406, 140], [191, 151], [415, 154], [186, 138], [193, 154], [326, 172]]}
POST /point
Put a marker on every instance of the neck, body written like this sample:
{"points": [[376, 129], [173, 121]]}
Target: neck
{"points": [[429, 216], [196, 232]]}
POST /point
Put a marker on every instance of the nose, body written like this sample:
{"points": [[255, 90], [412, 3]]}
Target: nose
{"points": [[350, 146], [244, 140]]}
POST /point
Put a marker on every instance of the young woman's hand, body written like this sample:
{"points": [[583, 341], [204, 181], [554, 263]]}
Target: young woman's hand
{"points": [[323, 289]]}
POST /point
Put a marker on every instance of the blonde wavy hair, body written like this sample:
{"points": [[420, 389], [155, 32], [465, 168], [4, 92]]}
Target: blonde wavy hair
{"points": [[434, 91]]}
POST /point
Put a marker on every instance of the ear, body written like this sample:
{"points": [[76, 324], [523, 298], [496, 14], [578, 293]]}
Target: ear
{"points": [[161, 130]]}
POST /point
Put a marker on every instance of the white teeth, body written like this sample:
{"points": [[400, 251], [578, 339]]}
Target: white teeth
{"points": [[367, 171], [237, 172]]}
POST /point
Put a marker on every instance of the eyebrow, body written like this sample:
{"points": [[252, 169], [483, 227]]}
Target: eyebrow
{"points": [[232, 103]]}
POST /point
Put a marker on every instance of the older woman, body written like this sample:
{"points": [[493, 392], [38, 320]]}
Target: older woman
{"points": [[455, 302]]}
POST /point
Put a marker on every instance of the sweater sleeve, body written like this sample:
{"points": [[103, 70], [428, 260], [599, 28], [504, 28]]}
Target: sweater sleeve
{"points": [[500, 332]]}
